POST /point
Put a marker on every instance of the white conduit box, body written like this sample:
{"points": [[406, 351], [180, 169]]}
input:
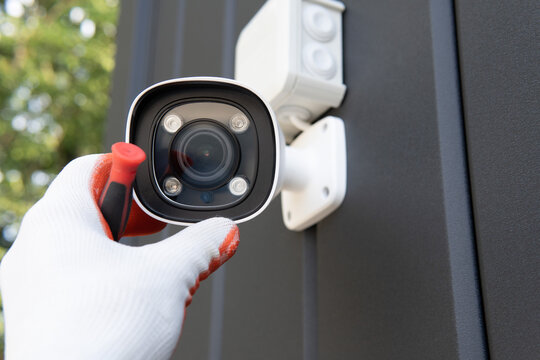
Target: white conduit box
{"points": [[291, 53]]}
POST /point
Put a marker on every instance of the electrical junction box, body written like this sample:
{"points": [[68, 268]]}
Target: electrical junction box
{"points": [[291, 54]]}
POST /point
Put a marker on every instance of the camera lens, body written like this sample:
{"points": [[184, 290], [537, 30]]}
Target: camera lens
{"points": [[206, 154]]}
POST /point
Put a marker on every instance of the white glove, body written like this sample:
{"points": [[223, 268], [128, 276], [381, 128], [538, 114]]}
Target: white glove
{"points": [[70, 292]]}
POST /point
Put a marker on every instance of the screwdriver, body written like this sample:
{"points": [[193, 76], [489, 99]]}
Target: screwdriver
{"points": [[115, 200]]}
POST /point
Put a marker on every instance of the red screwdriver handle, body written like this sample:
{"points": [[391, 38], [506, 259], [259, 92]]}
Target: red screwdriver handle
{"points": [[115, 200]]}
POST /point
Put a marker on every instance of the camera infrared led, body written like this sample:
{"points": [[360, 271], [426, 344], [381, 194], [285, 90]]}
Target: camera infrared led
{"points": [[239, 123], [238, 186], [172, 123], [172, 186]]}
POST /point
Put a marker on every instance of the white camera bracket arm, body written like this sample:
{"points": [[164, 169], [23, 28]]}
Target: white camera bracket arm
{"points": [[314, 172]]}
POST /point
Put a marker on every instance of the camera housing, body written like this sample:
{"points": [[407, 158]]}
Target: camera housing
{"points": [[213, 148]]}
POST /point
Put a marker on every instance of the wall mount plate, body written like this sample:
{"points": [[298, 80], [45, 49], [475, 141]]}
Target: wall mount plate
{"points": [[316, 174]]}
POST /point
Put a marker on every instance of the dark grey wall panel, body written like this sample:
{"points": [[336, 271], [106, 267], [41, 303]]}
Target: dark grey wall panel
{"points": [[390, 282], [168, 28], [203, 38], [499, 54], [263, 299], [116, 117], [193, 343], [468, 311]]}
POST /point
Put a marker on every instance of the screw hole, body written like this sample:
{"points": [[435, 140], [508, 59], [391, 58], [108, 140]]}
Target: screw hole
{"points": [[326, 191], [325, 127], [289, 215]]}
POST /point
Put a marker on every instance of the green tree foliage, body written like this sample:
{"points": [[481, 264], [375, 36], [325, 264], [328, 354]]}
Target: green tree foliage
{"points": [[56, 59]]}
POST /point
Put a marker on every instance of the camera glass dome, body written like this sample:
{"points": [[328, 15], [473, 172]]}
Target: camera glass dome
{"points": [[206, 154]]}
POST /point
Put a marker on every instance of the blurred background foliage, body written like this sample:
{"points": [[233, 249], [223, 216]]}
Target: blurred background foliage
{"points": [[56, 61]]}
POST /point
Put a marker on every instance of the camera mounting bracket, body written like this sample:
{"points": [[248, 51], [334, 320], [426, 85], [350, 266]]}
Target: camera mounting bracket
{"points": [[314, 174]]}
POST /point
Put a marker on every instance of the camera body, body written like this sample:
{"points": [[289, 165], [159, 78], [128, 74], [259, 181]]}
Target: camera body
{"points": [[214, 148]]}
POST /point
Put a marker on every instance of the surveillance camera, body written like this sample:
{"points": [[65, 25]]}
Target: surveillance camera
{"points": [[213, 149]]}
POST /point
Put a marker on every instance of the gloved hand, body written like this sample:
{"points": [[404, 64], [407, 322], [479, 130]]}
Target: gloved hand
{"points": [[70, 292]]}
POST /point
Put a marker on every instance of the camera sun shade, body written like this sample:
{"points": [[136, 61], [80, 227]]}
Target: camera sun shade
{"points": [[213, 149]]}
